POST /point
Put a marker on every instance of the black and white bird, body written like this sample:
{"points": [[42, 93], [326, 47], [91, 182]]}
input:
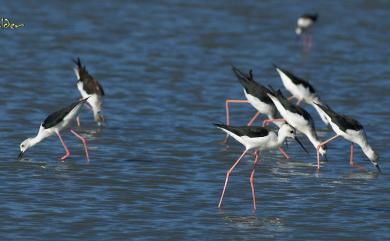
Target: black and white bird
{"points": [[259, 138], [304, 22], [298, 118], [54, 124], [90, 87], [300, 89], [351, 130], [256, 95]]}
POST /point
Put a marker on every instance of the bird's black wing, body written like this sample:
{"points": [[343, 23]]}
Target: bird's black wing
{"points": [[297, 80], [310, 16], [251, 86], [344, 122], [56, 117], [91, 85], [250, 131], [293, 108]]}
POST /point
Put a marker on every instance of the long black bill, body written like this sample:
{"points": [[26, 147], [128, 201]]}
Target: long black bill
{"points": [[379, 169], [300, 143], [20, 155]]}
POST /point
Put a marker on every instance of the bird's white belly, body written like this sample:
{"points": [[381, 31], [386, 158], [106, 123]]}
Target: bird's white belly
{"points": [[255, 142], [304, 22], [350, 135], [258, 104], [83, 93], [295, 120]]}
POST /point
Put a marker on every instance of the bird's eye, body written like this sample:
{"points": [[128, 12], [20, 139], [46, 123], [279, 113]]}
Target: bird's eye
{"points": [[291, 132], [22, 145]]}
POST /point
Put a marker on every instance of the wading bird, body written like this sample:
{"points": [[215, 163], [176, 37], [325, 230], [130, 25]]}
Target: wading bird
{"points": [[300, 89], [256, 95], [304, 23], [351, 130], [89, 87], [298, 118], [54, 123], [259, 138]]}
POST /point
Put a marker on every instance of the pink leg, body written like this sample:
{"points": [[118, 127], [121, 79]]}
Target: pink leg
{"points": [[318, 148], [306, 45], [354, 164], [67, 153], [84, 142], [283, 153], [78, 121], [309, 41], [268, 121], [253, 118], [299, 101], [290, 98], [251, 179], [228, 174], [228, 114]]}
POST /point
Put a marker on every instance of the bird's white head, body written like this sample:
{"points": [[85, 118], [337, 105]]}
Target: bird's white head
{"points": [[286, 131], [372, 156], [25, 145]]}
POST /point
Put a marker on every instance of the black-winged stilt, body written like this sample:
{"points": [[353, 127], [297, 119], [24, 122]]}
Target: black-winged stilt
{"points": [[352, 131], [54, 123], [256, 95], [300, 89], [304, 23], [298, 118], [259, 138], [89, 87]]}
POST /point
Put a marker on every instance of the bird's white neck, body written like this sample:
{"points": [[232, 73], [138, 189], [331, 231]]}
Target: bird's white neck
{"points": [[35, 140], [367, 149], [313, 139]]}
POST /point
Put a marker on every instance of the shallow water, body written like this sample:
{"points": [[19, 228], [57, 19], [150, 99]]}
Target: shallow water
{"points": [[157, 168]]}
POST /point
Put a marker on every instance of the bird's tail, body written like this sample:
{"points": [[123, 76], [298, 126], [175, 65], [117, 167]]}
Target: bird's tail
{"points": [[223, 126], [243, 78]]}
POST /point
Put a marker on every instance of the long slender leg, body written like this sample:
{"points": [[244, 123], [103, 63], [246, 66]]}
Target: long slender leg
{"points": [[251, 179], [351, 156], [318, 149], [253, 118], [78, 121], [309, 41], [290, 98], [228, 174], [84, 142], [283, 153], [299, 102], [353, 164], [228, 113], [67, 153], [306, 44]]}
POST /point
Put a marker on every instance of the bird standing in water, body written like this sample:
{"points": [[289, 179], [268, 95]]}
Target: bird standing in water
{"points": [[55, 123], [259, 138], [89, 87], [352, 131], [304, 23]]}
